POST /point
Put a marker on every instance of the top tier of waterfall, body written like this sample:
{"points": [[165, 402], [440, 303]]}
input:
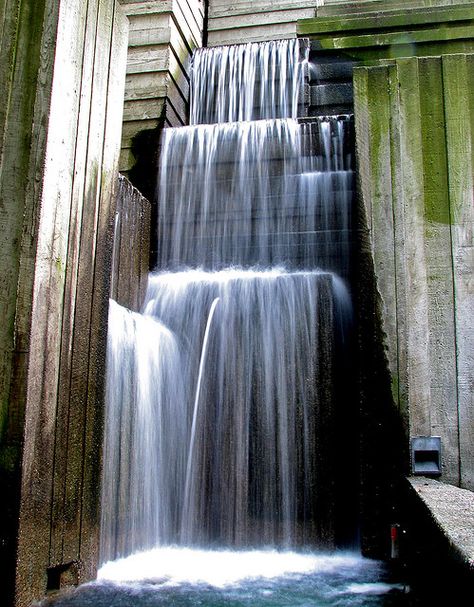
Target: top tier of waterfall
{"points": [[247, 81]]}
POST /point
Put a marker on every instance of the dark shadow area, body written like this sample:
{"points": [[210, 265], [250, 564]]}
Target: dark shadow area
{"points": [[427, 560], [384, 457], [144, 174]]}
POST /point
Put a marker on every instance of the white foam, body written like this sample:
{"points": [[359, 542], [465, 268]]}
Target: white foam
{"points": [[221, 567], [372, 588]]}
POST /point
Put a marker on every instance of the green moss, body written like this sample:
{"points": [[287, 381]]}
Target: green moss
{"points": [[435, 180], [424, 32], [59, 264], [435, 18]]}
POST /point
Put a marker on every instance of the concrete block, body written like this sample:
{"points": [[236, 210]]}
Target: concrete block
{"points": [[452, 511], [338, 93]]}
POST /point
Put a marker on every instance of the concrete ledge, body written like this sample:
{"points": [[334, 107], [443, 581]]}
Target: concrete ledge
{"points": [[385, 34], [347, 7], [389, 20], [452, 511]]}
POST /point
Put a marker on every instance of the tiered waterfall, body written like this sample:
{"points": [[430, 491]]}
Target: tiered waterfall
{"points": [[221, 396]]}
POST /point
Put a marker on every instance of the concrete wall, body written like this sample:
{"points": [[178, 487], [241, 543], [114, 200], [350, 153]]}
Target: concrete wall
{"points": [[130, 260], [60, 135], [414, 134], [163, 35], [350, 7], [403, 31], [237, 21]]}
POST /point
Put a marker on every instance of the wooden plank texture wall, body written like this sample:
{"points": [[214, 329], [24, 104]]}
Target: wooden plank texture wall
{"points": [[415, 135], [63, 82], [163, 35], [237, 21]]}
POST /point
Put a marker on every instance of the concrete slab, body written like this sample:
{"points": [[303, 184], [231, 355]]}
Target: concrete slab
{"points": [[452, 510]]}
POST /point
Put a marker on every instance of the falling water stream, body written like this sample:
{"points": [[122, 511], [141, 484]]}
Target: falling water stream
{"points": [[222, 479]]}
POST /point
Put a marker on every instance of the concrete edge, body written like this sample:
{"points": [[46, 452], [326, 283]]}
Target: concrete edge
{"points": [[451, 509]]}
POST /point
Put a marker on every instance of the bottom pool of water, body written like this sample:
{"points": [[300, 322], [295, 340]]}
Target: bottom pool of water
{"points": [[184, 577]]}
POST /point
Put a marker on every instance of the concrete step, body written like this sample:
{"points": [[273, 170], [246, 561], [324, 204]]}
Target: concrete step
{"points": [[328, 250], [348, 24], [260, 112], [329, 70], [332, 94], [331, 90], [274, 152], [366, 7], [330, 99]]}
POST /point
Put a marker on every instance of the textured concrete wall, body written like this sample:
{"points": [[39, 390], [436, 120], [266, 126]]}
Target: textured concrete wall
{"points": [[349, 7], [403, 31], [163, 35], [414, 135], [21, 37], [60, 130], [237, 21], [130, 260]]}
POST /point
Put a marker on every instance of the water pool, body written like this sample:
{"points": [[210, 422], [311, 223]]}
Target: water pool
{"points": [[184, 577]]}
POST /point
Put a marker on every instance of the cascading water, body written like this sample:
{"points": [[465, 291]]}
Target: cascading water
{"points": [[223, 433], [220, 421], [247, 82], [256, 193]]}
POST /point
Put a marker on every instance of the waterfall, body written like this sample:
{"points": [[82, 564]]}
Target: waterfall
{"points": [[221, 394], [247, 82], [263, 192]]}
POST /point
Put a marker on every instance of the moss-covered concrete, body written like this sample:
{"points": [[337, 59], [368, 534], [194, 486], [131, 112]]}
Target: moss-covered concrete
{"points": [[458, 79], [394, 34], [354, 7], [405, 138], [389, 21]]}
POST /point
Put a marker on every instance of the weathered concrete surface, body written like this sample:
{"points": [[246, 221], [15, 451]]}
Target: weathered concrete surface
{"points": [[452, 510], [403, 32], [22, 75], [414, 146], [131, 254], [240, 21], [60, 140], [349, 7], [163, 35]]}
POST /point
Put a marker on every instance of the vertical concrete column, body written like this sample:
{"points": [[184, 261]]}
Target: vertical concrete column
{"points": [[25, 86], [373, 126], [458, 83], [63, 85]]}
